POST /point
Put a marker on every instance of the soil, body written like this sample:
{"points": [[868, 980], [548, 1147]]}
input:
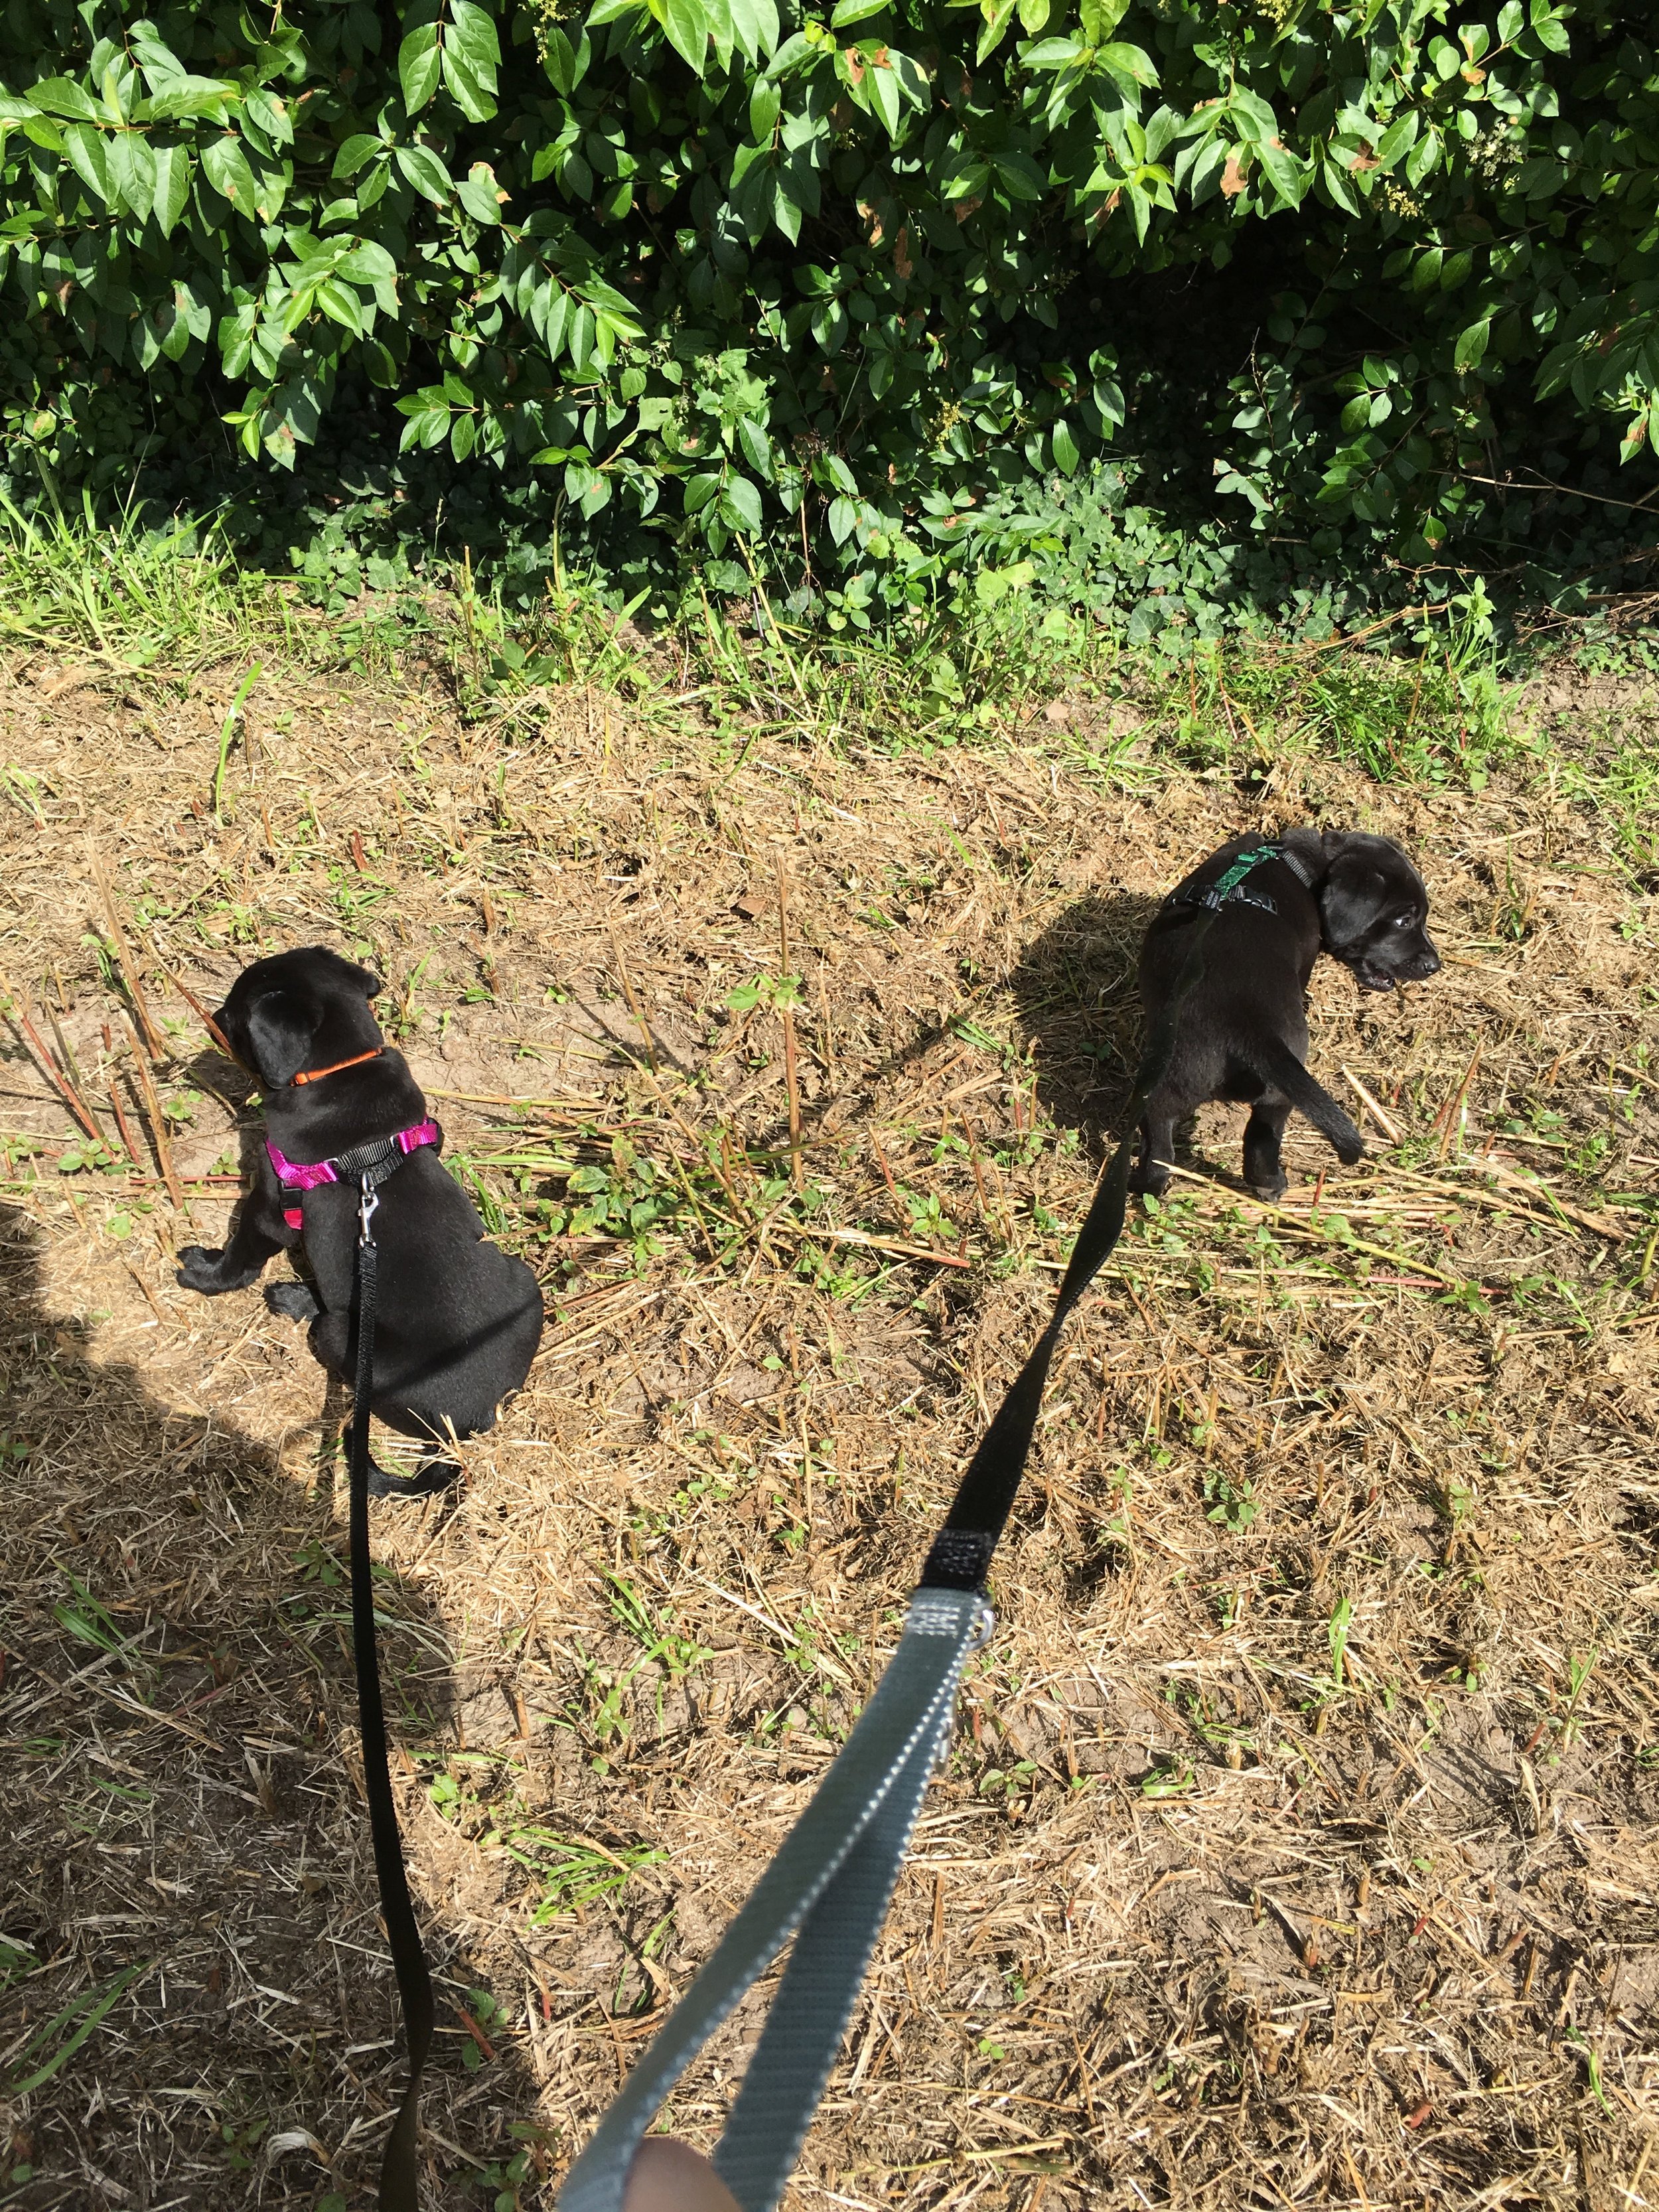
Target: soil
{"points": [[1300, 1840]]}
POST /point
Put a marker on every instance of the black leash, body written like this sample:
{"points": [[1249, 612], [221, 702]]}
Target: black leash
{"points": [[398, 2169], [961, 1555]]}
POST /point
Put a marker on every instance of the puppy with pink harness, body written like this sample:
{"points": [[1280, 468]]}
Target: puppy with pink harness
{"points": [[457, 1320]]}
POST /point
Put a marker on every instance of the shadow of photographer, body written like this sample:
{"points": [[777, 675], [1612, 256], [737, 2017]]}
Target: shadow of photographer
{"points": [[195, 1992]]}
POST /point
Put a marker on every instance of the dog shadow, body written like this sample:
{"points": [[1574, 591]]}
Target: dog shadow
{"points": [[186, 1839], [1078, 1004]]}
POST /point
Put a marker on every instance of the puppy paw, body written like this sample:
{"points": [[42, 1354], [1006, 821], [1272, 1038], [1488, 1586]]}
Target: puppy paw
{"points": [[1273, 1186], [436, 1474], [293, 1301], [1350, 1155], [199, 1270]]}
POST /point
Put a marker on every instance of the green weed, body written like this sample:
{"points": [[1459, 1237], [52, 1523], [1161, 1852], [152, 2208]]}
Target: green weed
{"points": [[55, 2042], [1230, 1500], [134, 598]]}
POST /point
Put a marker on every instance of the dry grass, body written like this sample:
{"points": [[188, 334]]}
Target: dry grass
{"points": [[1300, 1842]]}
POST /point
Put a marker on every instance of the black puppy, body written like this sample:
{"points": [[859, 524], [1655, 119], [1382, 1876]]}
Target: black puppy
{"points": [[458, 1321], [1241, 1033]]}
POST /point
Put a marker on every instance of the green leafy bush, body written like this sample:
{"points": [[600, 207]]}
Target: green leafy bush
{"points": [[849, 300]]}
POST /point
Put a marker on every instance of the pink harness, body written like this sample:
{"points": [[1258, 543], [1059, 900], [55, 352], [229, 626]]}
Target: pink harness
{"points": [[297, 1175]]}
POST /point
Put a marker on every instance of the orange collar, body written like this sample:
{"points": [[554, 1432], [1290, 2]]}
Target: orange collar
{"points": [[316, 1075]]}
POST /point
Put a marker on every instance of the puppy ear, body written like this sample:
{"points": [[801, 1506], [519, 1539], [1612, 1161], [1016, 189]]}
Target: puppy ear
{"points": [[353, 977], [278, 1031], [1350, 899]]}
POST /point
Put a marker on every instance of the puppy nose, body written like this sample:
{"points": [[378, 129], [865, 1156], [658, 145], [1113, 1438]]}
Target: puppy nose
{"points": [[1428, 963]]}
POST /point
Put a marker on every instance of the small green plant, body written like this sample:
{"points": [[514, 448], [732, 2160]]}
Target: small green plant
{"points": [[1230, 1500], [504, 2180], [1169, 1776], [631, 1198], [660, 1644], [485, 2020], [1580, 1668], [776, 992], [238, 2143], [86, 1154], [1009, 1784], [565, 1872]]}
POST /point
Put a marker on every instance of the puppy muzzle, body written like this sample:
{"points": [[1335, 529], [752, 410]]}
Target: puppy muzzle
{"points": [[1370, 977]]}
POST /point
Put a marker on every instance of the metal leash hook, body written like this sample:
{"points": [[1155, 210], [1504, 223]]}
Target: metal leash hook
{"points": [[369, 1205]]}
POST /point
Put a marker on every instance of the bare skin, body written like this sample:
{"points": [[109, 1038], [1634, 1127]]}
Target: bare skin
{"points": [[667, 2176]]}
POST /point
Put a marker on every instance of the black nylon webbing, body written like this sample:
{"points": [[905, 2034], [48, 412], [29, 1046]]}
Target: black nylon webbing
{"points": [[961, 1554], [398, 2168]]}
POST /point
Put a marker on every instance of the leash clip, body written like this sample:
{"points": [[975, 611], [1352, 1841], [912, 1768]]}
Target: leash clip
{"points": [[369, 1205]]}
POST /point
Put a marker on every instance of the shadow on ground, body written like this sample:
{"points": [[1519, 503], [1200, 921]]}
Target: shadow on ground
{"points": [[1079, 1005], [189, 1880]]}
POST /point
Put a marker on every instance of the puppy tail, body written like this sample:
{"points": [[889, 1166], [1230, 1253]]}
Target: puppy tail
{"points": [[1274, 1061]]}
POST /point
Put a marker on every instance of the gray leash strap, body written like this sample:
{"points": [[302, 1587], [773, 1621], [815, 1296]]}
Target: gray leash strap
{"points": [[828, 1886]]}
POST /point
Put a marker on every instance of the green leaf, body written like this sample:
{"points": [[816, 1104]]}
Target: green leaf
{"points": [[1398, 138], [419, 65], [998, 15], [88, 152], [77, 2021], [758, 448], [1020, 176], [1066, 455], [699, 491], [340, 304], [420, 166], [189, 98], [740, 504], [1549, 28], [765, 102], [132, 170], [362, 146], [172, 194], [1128, 63], [687, 27], [855, 11], [754, 23], [1423, 157], [1288, 176], [881, 88], [472, 90], [472, 34], [480, 195], [59, 95], [1054, 53], [1472, 345], [227, 169]]}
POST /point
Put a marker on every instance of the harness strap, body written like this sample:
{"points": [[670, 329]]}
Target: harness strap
{"points": [[398, 2168], [377, 1159], [1230, 888], [832, 1877]]}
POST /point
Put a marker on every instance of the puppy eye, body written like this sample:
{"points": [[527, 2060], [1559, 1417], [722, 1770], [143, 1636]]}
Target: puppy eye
{"points": [[1402, 921]]}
